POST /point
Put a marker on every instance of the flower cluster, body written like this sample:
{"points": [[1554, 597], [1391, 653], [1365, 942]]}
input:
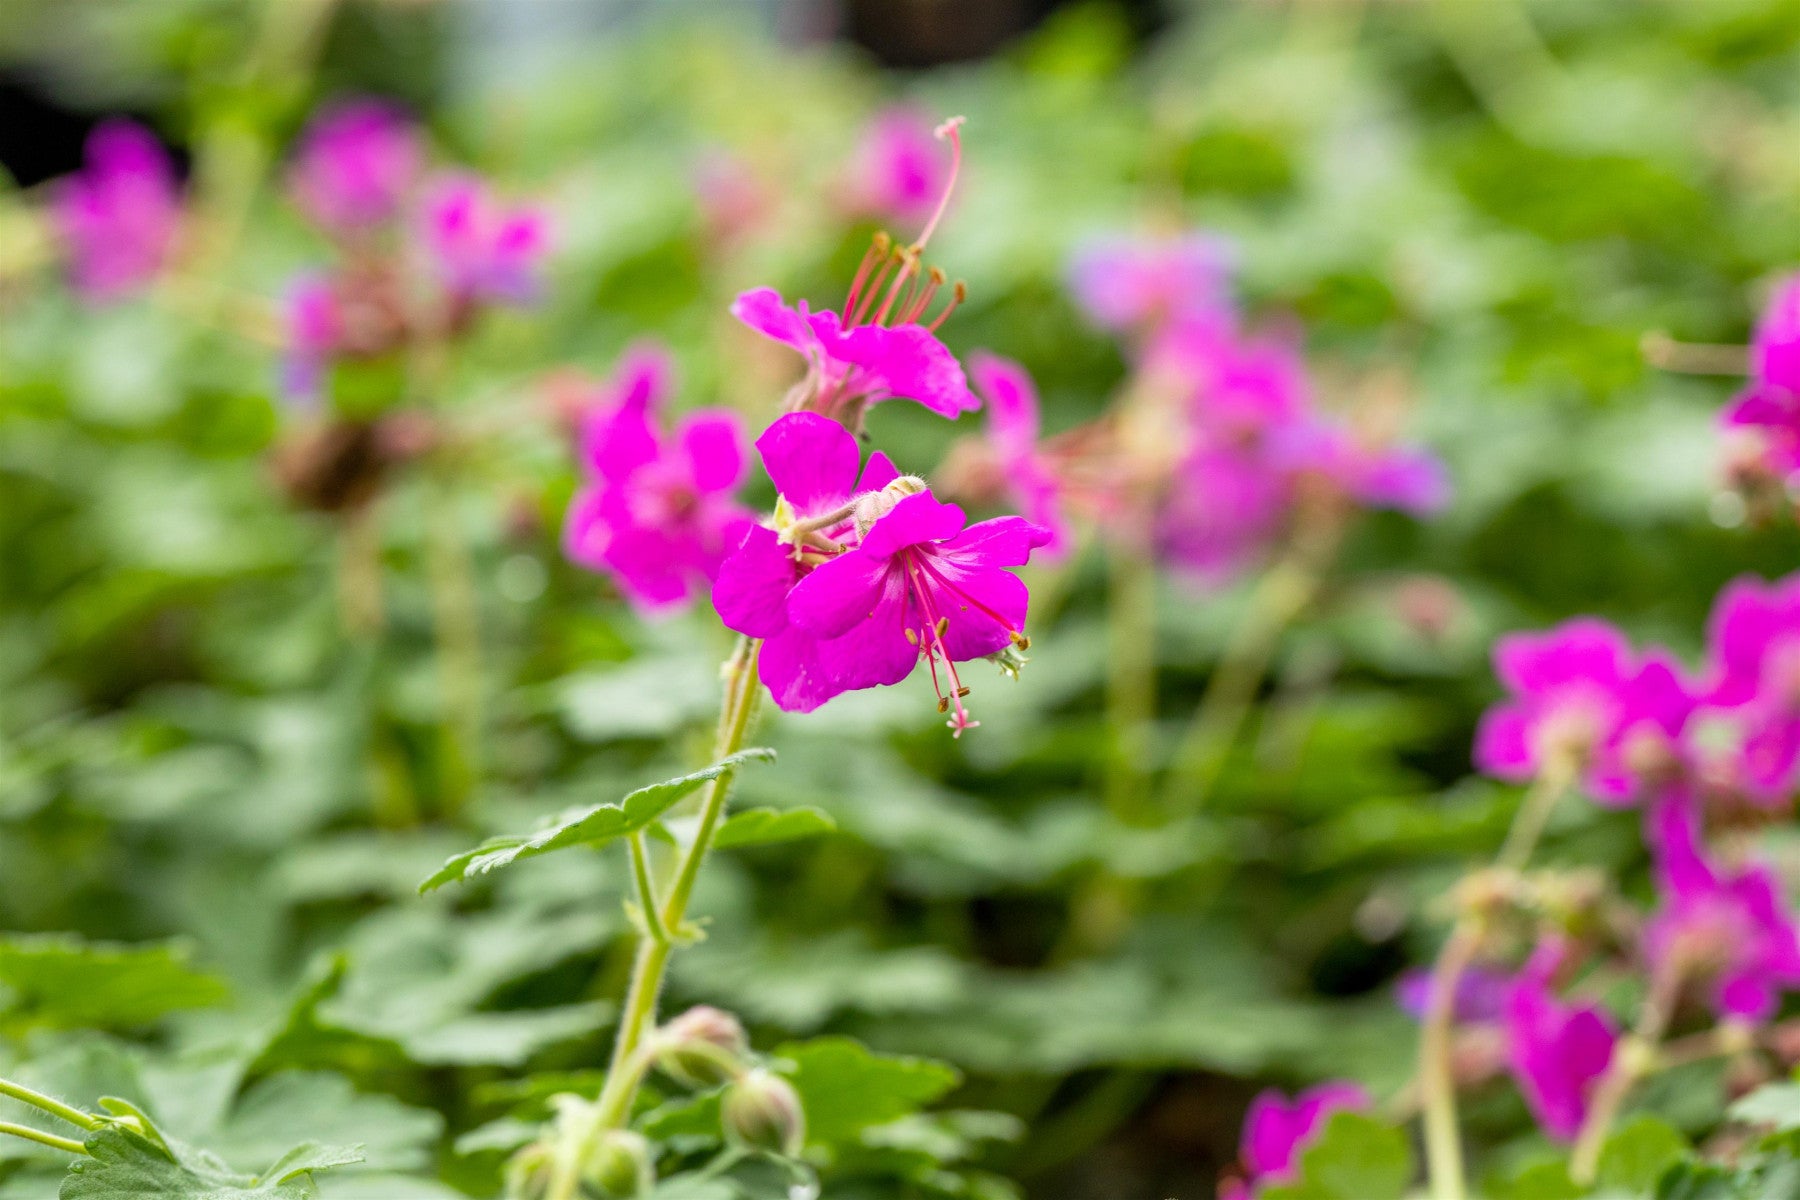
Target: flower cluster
{"points": [[119, 217], [418, 254], [1707, 755], [859, 574], [1215, 450]]}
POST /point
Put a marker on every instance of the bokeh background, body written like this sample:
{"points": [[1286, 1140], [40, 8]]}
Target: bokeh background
{"points": [[1486, 206]]}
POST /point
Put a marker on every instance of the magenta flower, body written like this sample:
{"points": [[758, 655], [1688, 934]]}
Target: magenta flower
{"points": [[656, 515], [918, 586], [1732, 930], [1770, 405], [876, 346], [900, 171], [1025, 473], [314, 332], [1222, 509], [1241, 390], [1578, 689], [1557, 1051], [482, 249], [854, 361], [813, 463], [1126, 284], [356, 164], [1748, 730], [1278, 1130], [119, 216]]}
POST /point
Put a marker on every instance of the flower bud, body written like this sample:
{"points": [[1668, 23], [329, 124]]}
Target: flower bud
{"points": [[761, 1111], [618, 1166], [873, 506], [702, 1048], [528, 1175]]}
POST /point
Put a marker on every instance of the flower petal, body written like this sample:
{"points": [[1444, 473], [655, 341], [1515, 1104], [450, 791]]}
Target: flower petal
{"points": [[763, 310], [841, 592], [811, 460], [713, 442], [752, 589], [920, 517]]}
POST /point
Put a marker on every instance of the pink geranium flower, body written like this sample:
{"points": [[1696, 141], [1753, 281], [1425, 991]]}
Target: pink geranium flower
{"points": [[813, 463], [879, 345], [1731, 930], [1770, 405], [1747, 733], [918, 586], [1126, 284], [1277, 1130], [118, 216], [481, 248], [356, 163], [1557, 1051], [1402, 478], [656, 514], [1580, 690], [900, 170]]}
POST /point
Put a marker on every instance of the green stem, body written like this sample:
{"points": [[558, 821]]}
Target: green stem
{"points": [[1437, 1080], [55, 1108], [742, 693], [42, 1138], [1279, 597]]}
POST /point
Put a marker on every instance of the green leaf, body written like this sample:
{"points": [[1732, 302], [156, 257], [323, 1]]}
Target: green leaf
{"points": [[761, 826], [66, 982], [846, 1087], [1776, 1104], [588, 826], [1355, 1158], [125, 1166], [1639, 1153]]}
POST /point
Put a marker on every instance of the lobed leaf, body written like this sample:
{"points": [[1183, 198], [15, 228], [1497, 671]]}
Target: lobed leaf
{"points": [[593, 826], [763, 826]]}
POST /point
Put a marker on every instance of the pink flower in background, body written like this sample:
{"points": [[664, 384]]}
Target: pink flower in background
{"points": [[483, 249], [1732, 930], [1410, 480], [1579, 689], [1013, 431], [1557, 1051], [900, 170], [1748, 728], [734, 199], [1481, 994], [314, 330], [655, 514], [1241, 390], [918, 586], [356, 164], [854, 363], [1277, 1130], [1222, 509], [1769, 407], [118, 216], [813, 462], [1125, 284]]}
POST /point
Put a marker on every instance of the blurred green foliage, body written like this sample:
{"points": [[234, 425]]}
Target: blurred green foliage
{"points": [[214, 806]]}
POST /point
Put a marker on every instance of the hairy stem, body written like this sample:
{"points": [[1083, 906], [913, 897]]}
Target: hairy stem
{"points": [[42, 1138], [1437, 1081], [742, 693], [457, 621], [359, 571], [54, 1107]]}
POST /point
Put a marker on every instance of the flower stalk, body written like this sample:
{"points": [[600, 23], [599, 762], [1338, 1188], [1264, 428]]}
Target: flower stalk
{"points": [[1437, 1081], [1636, 1058], [664, 926]]}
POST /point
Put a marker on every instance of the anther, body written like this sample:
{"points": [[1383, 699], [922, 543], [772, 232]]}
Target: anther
{"points": [[943, 623], [943, 704]]}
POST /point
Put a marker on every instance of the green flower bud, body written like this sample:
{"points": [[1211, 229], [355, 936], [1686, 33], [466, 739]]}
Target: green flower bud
{"points": [[529, 1173], [702, 1048], [618, 1167], [761, 1111]]}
